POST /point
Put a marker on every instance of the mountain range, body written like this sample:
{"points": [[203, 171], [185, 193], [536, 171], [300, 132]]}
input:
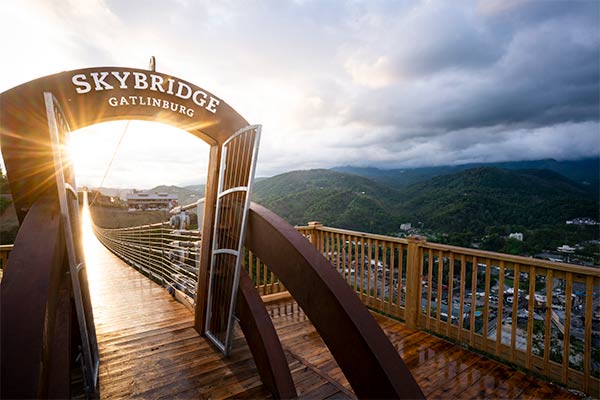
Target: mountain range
{"points": [[462, 199], [467, 198], [467, 201], [586, 171]]}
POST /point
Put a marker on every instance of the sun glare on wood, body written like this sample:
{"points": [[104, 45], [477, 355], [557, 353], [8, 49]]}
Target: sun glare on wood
{"points": [[90, 247]]}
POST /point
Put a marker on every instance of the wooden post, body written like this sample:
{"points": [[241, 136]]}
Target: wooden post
{"points": [[314, 225], [210, 201], [413, 281]]}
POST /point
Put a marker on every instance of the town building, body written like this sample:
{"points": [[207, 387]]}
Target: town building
{"points": [[144, 200]]}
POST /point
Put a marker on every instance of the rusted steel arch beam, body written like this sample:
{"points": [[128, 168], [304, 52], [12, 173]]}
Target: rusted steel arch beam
{"points": [[263, 341], [32, 306], [368, 359]]}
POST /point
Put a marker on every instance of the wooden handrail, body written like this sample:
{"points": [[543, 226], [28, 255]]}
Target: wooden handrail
{"points": [[578, 269], [372, 236], [448, 290]]}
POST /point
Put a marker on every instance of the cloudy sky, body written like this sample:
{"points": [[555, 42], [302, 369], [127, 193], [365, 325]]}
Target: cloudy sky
{"points": [[374, 83]]}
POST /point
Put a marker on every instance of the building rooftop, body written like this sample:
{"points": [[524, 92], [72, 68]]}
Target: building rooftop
{"points": [[144, 195]]}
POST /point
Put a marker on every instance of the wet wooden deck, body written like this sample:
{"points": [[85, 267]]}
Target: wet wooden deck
{"points": [[149, 349]]}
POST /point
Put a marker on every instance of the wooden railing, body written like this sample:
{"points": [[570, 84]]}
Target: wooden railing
{"points": [[171, 257], [266, 282], [542, 316], [373, 265]]}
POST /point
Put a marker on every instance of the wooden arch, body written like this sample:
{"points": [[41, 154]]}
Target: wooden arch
{"points": [[93, 95]]}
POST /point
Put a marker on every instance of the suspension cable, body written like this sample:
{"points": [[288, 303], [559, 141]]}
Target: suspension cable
{"points": [[110, 163]]}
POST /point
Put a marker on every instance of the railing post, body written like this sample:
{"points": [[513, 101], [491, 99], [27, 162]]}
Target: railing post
{"points": [[314, 225], [413, 281]]}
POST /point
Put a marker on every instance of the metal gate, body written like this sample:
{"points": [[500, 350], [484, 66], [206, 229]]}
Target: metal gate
{"points": [[69, 209], [236, 176]]}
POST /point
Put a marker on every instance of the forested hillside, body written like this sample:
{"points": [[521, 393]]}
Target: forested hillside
{"points": [[482, 204], [479, 204], [472, 200], [331, 197]]}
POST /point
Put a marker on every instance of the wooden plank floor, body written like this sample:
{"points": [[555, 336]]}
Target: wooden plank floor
{"points": [[149, 349], [442, 369]]}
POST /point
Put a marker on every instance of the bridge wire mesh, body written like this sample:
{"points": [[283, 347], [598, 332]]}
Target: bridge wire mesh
{"points": [[168, 256]]}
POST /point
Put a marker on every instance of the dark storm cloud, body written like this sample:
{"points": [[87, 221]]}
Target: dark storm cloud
{"points": [[474, 73], [544, 78]]}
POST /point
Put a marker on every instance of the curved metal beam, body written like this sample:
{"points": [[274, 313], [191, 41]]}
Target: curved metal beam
{"points": [[35, 315], [368, 359], [263, 341]]}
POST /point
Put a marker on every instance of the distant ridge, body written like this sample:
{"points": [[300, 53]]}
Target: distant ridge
{"points": [[585, 170], [196, 188], [454, 204]]}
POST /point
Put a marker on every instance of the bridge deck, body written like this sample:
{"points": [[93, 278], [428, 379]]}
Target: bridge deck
{"points": [[149, 349]]}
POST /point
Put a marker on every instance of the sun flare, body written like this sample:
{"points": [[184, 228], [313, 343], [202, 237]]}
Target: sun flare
{"points": [[144, 154]]}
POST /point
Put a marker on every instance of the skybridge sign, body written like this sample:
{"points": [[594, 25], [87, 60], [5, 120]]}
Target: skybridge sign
{"points": [[119, 82], [93, 95]]}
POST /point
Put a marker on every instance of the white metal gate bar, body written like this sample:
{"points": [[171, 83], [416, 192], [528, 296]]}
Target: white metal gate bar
{"points": [[236, 176], [69, 209]]}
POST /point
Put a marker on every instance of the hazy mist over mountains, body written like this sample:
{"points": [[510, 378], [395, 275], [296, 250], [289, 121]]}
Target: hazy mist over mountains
{"points": [[586, 171]]}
